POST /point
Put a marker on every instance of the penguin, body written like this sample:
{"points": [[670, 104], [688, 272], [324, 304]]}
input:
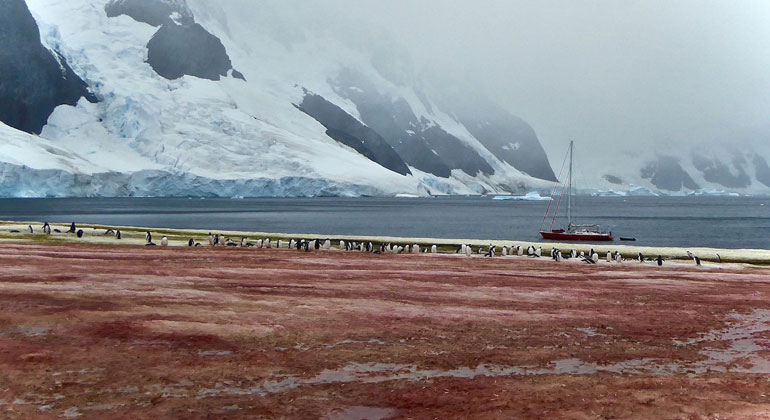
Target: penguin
{"points": [[216, 239], [697, 260], [269, 243], [279, 244], [231, 243], [491, 252], [399, 249], [164, 241], [73, 229], [306, 245], [327, 244], [433, 249], [46, 228], [370, 247], [211, 240], [291, 244], [243, 242], [118, 235], [519, 251], [595, 257], [582, 254], [539, 252], [57, 231], [690, 254], [659, 260], [80, 233], [504, 251], [191, 242], [468, 251], [719, 259], [316, 244], [609, 256], [558, 256], [260, 243], [416, 249], [572, 253], [587, 260], [640, 257], [30, 229]]}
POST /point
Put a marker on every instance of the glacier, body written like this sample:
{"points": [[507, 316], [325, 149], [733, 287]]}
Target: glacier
{"points": [[241, 133]]}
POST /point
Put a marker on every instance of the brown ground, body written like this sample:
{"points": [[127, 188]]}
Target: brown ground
{"points": [[113, 332]]}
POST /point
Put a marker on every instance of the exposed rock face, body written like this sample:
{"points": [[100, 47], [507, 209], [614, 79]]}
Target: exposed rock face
{"points": [[667, 174], [347, 130], [178, 50], [151, 12], [33, 79], [762, 170], [718, 172], [508, 137], [420, 142], [180, 46]]}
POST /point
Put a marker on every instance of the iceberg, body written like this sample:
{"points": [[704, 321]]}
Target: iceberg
{"points": [[530, 196]]}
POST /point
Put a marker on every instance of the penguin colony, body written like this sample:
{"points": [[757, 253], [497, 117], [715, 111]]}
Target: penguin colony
{"points": [[307, 245]]}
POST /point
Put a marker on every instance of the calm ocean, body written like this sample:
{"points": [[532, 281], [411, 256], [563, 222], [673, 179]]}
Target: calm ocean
{"points": [[659, 221]]}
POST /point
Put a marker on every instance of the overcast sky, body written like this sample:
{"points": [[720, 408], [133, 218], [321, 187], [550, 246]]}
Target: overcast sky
{"points": [[598, 71]]}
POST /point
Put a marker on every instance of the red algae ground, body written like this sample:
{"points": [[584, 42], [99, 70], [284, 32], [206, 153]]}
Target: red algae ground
{"points": [[117, 332]]}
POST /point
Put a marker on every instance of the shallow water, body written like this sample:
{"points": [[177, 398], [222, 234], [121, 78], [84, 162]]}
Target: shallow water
{"points": [[720, 222]]}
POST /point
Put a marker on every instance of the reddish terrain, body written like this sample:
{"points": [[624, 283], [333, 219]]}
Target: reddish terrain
{"points": [[114, 332]]}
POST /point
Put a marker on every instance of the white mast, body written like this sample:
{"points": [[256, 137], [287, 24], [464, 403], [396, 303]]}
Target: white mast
{"points": [[569, 191]]}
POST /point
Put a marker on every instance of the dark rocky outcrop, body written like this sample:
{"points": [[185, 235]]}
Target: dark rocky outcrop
{"points": [[33, 79], [178, 50], [667, 174], [180, 46], [347, 130], [422, 143], [762, 170], [714, 170], [151, 12], [612, 179], [508, 137]]}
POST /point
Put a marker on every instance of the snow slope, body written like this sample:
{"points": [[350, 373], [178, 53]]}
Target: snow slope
{"points": [[229, 130]]}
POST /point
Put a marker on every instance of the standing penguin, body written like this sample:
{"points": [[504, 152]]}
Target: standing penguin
{"points": [[433, 249], [595, 257], [118, 235], [609, 256], [519, 250], [697, 260], [46, 228], [73, 229], [279, 244], [211, 240], [30, 229], [640, 257], [148, 237], [164, 241], [468, 251], [191, 242], [415, 249], [539, 251], [659, 260], [243, 242], [504, 251]]}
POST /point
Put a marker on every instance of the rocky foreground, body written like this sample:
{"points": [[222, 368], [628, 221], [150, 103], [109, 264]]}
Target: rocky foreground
{"points": [[107, 332]]}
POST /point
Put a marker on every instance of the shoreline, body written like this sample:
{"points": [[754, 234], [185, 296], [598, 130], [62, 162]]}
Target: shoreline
{"points": [[134, 235]]}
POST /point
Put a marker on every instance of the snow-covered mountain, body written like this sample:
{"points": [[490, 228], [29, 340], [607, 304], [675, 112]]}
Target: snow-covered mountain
{"points": [[241, 98], [216, 99]]}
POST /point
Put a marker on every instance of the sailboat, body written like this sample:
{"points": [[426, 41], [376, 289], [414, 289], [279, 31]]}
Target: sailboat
{"points": [[573, 231]]}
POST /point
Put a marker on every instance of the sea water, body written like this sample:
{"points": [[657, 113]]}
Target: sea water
{"points": [[720, 222]]}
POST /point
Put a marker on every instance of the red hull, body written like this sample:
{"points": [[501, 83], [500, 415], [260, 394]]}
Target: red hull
{"points": [[566, 236]]}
